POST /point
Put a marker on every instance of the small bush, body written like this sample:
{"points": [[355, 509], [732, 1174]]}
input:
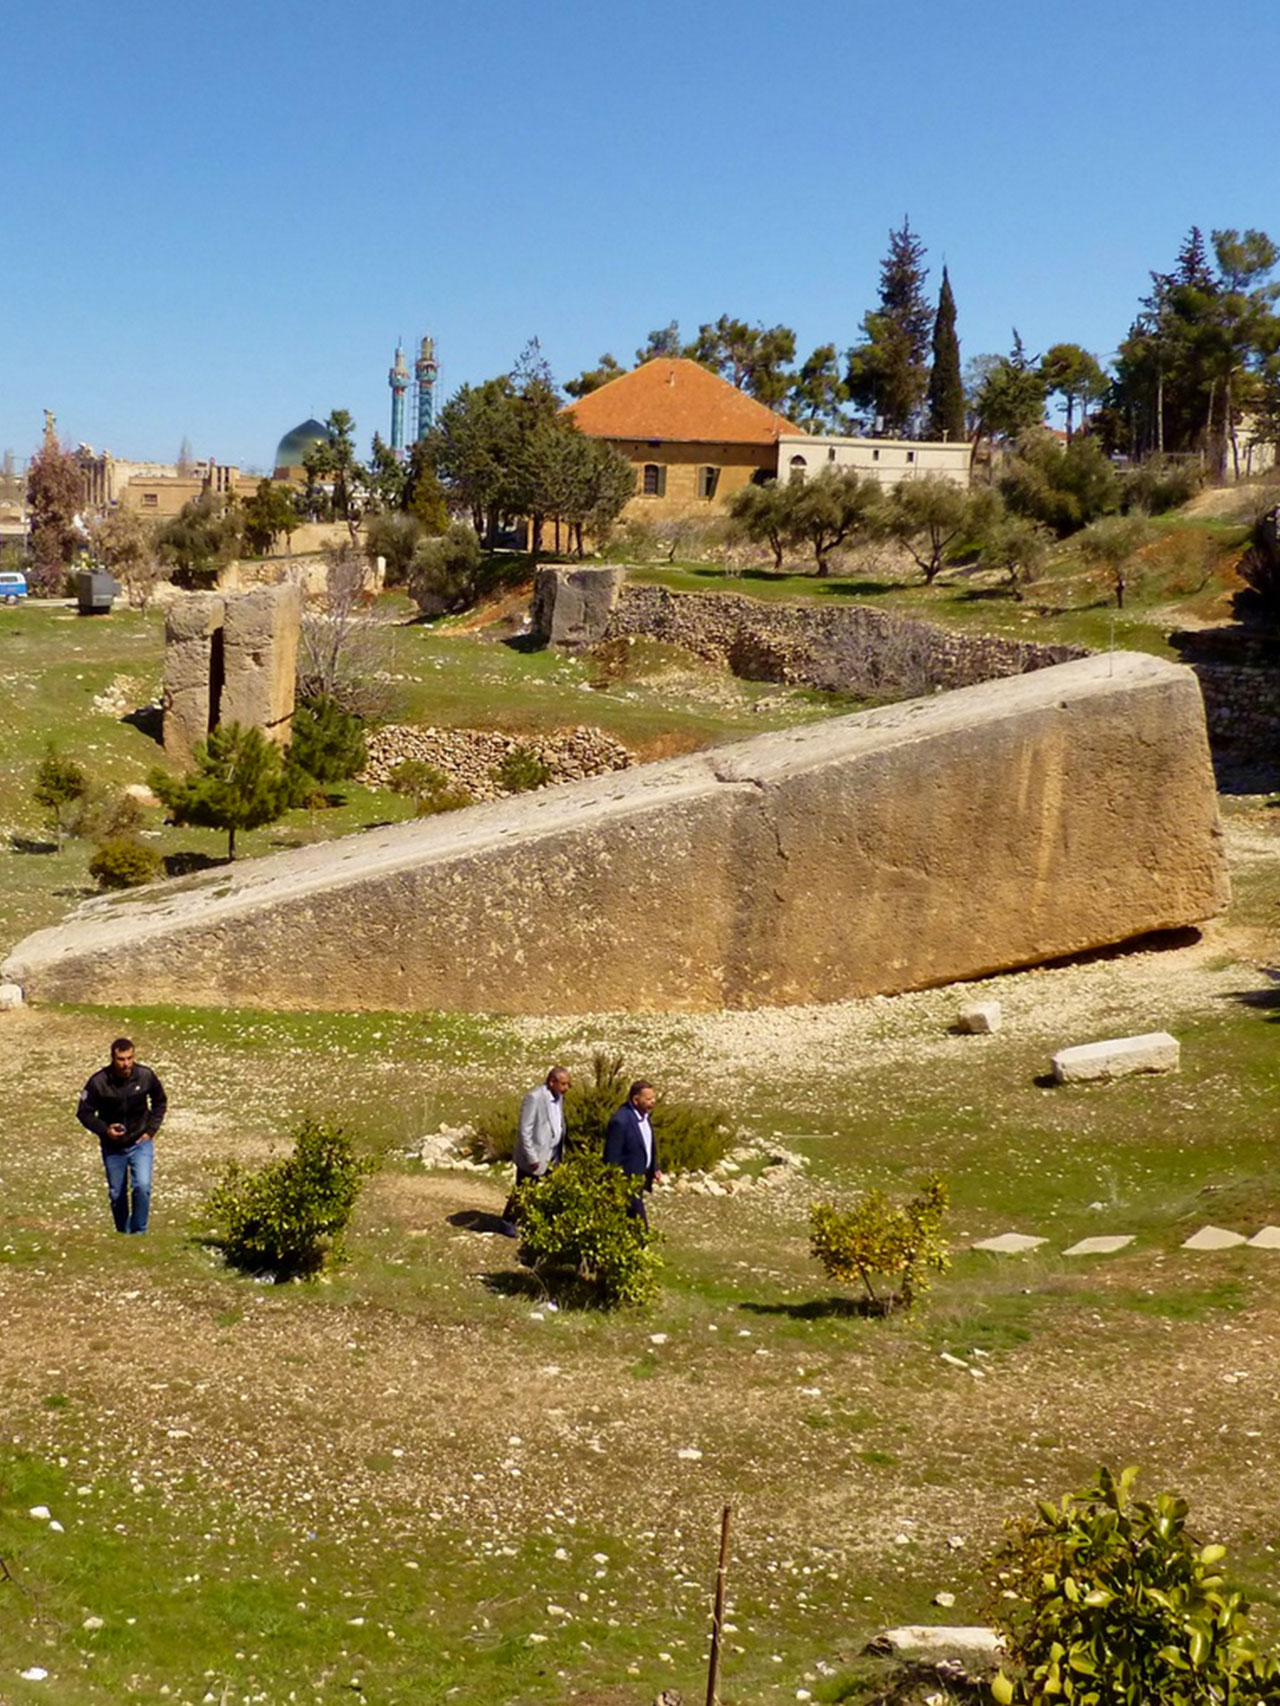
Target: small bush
{"points": [[875, 1238], [428, 787], [1157, 486], [125, 863], [60, 787], [326, 742], [520, 770], [1106, 1600], [576, 1226], [104, 816], [290, 1216]]}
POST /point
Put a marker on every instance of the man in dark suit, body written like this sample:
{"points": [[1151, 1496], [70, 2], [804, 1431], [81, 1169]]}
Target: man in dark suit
{"points": [[629, 1144]]}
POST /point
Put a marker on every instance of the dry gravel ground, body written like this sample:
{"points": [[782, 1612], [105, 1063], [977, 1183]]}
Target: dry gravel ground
{"points": [[412, 1401]]}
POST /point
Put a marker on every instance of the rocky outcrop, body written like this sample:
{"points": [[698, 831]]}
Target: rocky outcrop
{"points": [[944, 838]]}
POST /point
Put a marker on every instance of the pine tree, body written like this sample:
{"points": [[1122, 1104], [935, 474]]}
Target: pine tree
{"points": [[237, 781], [946, 389], [888, 373]]}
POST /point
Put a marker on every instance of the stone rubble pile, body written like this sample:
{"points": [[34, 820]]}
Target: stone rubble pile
{"points": [[468, 757]]}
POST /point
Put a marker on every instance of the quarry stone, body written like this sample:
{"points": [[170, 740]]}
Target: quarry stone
{"points": [[10, 997], [1266, 1239], [925, 1640], [979, 1018], [230, 660], [573, 607], [1117, 1057], [1011, 1244], [950, 837]]}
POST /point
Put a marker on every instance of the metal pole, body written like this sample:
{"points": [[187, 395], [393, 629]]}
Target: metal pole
{"points": [[717, 1615]]}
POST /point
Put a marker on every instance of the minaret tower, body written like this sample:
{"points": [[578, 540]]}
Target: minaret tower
{"points": [[425, 371], [398, 379]]}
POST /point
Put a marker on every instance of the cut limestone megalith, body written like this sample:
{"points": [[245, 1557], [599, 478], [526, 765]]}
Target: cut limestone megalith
{"points": [[230, 660], [949, 837]]}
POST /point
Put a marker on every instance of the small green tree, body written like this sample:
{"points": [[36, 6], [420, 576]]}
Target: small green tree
{"points": [[237, 781], [445, 572], [268, 513], [394, 536], [60, 788], [1015, 548], [575, 1223], [832, 509], [1107, 1600], [327, 743], [946, 388], [930, 515], [290, 1217], [520, 770], [1112, 543], [201, 539], [762, 515], [875, 1238]]}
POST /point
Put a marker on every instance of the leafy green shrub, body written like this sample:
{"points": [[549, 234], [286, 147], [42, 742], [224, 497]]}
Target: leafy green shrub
{"points": [[290, 1216], [446, 573], [60, 787], [1065, 487], [520, 770], [238, 780], [428, 787], [1260, 565], [1111, 544], [875, 1238], [575, 1225], [326, 742], [1106, 1600], [1159, 485], [125, 863]]}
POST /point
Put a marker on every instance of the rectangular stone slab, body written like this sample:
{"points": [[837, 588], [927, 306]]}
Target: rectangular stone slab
{"points": [[949, 837], [1118, 1057]]}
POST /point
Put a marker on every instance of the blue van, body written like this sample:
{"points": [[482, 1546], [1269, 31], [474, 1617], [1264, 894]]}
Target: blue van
{"points": [[13, 585]]}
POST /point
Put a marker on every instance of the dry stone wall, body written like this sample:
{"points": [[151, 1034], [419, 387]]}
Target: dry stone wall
{"points": [[468, 757], [942, 838]]}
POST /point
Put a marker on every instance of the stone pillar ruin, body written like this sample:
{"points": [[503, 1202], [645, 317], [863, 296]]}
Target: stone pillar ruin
{"points": [[230, 660], [572, 607]]}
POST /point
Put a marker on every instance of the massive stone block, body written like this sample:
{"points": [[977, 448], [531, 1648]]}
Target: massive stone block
{"points": [[230, 660], [944, 838], [572, 607]]}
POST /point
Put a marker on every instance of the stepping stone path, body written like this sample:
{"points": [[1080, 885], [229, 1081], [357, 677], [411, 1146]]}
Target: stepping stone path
{"points": [[1108, 1243]]}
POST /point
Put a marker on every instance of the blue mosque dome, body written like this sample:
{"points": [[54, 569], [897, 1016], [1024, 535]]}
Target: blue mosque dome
{"points": [[298, 441]]}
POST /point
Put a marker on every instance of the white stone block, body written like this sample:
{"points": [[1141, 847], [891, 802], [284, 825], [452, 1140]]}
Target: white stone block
{"points": [[10, 997], [1105, 1245], [934, 1640], [1011, 1244], [979, 1018], [1118, 1057], [1267, 1239], [1213, 1238]]}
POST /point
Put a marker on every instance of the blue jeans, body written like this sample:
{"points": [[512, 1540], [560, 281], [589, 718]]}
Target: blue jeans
{"points": [[126, 1167]]}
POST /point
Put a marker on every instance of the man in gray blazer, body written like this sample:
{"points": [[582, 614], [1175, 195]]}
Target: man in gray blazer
{"points": [[540, 1143]]}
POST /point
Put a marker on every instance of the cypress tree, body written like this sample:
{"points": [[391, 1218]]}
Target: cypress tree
{"points": [[946, 391], [888, 372]]}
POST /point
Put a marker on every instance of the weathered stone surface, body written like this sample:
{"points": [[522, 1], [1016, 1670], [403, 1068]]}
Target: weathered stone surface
{"points": [[10, 997], [931, 1641], [189, 629], [1106, 1244], [1010, 1244], [260, 650], [1213, 1238], [572, 607], [1268, 1238], [911, 845], [979, 1018], [1117, 1057]]}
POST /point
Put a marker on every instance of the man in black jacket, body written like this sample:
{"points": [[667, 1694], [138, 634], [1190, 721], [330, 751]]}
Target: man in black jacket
{"points": [[123, 1106], [628, 1143]]}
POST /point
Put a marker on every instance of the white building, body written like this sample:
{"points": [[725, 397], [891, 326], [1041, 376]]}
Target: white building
{"points": [[889, 460]]}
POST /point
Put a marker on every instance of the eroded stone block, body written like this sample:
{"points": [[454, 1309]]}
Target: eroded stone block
{"points": [[1118, 1057]]}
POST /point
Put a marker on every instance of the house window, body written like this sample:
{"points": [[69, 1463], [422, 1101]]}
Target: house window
{"points": [[798, 469], [708, 480], [654, 483], [911, 456], [831, 454], [150, 500], [875, 455]]}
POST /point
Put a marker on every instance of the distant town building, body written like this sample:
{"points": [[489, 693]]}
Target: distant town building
{"points": [[889, 460], [294, 447], [154, 488]]}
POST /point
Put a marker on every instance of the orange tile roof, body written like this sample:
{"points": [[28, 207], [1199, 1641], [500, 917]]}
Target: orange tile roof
{"points": [[670, 398]]}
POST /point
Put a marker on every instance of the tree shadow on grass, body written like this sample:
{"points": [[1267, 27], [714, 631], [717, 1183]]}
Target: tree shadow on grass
{"points": [[1265, 1000], [524, 643], [31, 844], [476, 1220], [187, 864], [825, 1308]]}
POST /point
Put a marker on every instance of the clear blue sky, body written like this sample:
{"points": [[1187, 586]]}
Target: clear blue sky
{"points": [[218, 218]]}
